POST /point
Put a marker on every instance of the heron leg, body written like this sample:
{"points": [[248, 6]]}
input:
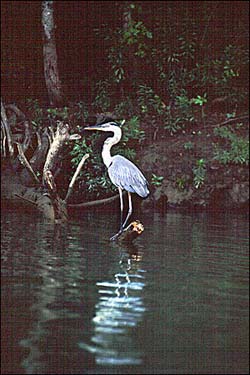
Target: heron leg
{"points": [[121, 207], [130, 210], [121, 217]]}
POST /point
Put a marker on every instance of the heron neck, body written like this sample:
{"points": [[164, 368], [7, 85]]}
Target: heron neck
{"points": [[109, 142]]}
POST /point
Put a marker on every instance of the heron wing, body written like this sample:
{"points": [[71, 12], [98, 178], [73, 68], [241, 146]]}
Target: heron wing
{"points": [[126, 175]]}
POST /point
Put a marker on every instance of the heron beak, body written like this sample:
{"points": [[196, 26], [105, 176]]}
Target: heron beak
{"points": [[88, 128], [93, 127]]}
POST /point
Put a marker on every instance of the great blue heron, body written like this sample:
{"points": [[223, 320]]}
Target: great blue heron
{"points": [[122, 172]]}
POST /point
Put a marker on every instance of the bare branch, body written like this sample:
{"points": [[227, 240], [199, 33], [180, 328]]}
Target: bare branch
{"points": [[39, 155], [233, 119], [3, 137], [26, 200], [96, 202], [5, 125], [25, 162], [243, 117], [16, 110], [27, 138], [50, 181], [52, 133], [39, 142], [79, 167], [48, 136]]}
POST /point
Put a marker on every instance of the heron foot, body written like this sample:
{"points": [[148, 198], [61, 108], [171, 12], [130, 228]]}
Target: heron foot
{"points": [[113, 238]]}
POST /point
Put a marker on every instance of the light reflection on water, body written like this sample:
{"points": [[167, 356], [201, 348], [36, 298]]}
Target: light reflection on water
{"points": [[120, 309], [177, 302]]}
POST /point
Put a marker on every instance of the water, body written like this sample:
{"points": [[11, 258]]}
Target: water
{"points": [[174, 303]]}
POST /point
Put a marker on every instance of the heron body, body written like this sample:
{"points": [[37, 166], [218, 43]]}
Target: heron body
{"points": [[124, 174]]}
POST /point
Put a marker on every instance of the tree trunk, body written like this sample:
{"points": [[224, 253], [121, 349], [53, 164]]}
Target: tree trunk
{"points": [[132, 65], [53, 84]]}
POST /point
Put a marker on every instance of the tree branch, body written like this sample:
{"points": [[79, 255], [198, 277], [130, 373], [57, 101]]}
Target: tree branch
{"points": [[229, 120], [25, 162], [27, 138], [16, 110], [96, 202], [26, 200], [3, 143], [70, 188], [5, 126]]}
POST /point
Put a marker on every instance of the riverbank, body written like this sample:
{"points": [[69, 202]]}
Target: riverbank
{"points": [[204, 166], [190, 171]]}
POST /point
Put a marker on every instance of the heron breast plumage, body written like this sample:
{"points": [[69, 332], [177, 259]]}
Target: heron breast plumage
{"points": [[126, 175]]}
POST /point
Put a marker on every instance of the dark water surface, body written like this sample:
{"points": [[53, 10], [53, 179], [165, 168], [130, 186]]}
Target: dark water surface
{"points": [[175, 303]]}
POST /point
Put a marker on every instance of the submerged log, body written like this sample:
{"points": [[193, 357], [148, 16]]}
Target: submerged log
{"points": [[131, 232], [60, 209]]}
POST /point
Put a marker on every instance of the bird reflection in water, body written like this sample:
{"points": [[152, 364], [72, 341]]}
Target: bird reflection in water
{"points": [[118, 312]]}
